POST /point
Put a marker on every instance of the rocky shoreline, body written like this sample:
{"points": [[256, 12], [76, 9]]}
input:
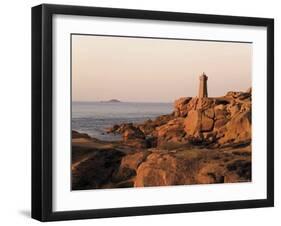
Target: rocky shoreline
{"points": [[203, 141]]}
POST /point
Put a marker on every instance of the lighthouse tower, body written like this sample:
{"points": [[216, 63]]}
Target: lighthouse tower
{"points": [[203, 92]]}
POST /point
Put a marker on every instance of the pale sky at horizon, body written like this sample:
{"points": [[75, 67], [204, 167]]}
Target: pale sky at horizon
{"points": [[155, 70]]}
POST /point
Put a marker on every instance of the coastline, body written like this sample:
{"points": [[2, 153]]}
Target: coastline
{"points": [[94, 117], [203, 141]]}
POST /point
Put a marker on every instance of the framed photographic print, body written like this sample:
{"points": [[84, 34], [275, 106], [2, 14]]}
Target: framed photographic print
{"points": [[145, 112]]}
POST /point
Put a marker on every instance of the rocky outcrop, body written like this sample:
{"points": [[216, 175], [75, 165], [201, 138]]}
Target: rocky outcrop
{"points": [[224, 120], [144, 134], [181, 107], [161, 169], [190, 167], [76, 134], [95, 169], [171, 133], [219, 121], [131, 132], [237, 129]]}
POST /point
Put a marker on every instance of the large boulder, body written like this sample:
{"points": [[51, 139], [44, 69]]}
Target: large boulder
{"points": [[133, 136], [220, 111], [149, 126], [206, 123], [205, 103], [162, 169], [234, 108], [197, 122], [238, 129], [132, 132], [76, 134], [220, 123], [129, 165], [134, 159], [184, 105], [181, 106], [191, 122], [171, 133], [210, 113]]}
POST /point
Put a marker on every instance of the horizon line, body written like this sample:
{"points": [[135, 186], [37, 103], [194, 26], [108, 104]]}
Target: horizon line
{"points": [[120, 101]]}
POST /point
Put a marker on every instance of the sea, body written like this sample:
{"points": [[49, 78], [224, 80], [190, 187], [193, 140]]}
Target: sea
{"points": [[94, 118]]}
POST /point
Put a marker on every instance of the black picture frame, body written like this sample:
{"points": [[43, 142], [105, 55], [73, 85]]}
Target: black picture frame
{"points": [[42, 107]]}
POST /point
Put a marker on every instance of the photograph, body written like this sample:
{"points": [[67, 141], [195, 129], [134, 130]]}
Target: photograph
{"points": [[145, 112], [149, 111]]}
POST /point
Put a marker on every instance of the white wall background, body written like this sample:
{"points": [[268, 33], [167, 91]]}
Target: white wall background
{"points": [[15, 113]]}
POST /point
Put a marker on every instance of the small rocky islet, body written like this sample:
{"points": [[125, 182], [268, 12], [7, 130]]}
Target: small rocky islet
{"points": [[204, 140]]}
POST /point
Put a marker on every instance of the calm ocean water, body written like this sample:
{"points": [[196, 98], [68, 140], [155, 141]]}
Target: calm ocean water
{"points": [[94, 118]]}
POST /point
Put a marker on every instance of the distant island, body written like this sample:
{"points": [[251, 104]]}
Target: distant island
{"points": [[111, 101]]}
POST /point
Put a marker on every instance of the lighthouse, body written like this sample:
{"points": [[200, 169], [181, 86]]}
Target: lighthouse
{"points": [[203, 92]]}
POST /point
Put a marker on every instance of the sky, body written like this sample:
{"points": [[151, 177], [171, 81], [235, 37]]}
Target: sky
{"points": [[155, 70]]}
